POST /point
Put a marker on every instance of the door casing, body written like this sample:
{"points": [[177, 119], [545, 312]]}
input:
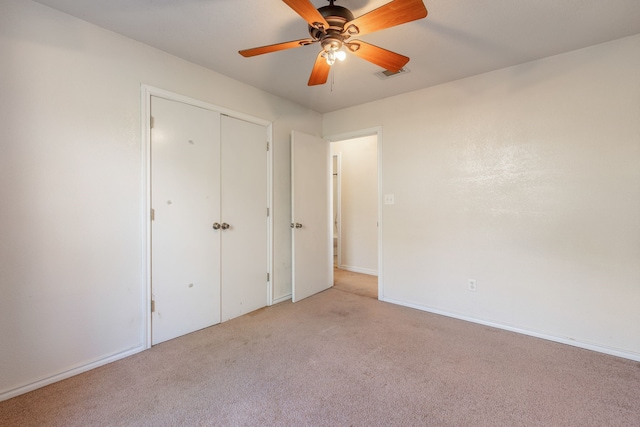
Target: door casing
{"points": [[336, 209]]}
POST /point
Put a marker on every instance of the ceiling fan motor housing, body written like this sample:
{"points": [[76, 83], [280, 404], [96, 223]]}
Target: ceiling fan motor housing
{"points": [[332, 37]]}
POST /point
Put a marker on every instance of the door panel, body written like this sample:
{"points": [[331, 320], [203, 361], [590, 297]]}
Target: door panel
{"points": [[311, 233], [244, 208], [185, 195]]}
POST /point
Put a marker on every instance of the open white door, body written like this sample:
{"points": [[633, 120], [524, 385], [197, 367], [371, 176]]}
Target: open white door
{"points": [[310, 215]]}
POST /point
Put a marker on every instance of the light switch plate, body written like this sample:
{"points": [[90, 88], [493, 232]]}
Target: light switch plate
{"points": [[389, 199]]}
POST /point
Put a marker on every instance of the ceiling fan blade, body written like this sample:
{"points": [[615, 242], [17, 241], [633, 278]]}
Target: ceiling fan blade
{"points": [[275, 47], [382, 57], [391, 14], [320, 71], [308, 12]]}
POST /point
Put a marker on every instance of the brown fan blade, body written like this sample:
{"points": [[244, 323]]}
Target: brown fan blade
{"points": [[382, 57], [308, 12], [320, 71], [275, 47], [391, 14]]}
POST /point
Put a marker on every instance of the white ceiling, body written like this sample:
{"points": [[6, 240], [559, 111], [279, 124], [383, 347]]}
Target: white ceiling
{"points": [[459, 38]]}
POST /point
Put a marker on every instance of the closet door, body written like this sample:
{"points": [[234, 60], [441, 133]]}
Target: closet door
{"points": [[185, 198], [244, 209]]}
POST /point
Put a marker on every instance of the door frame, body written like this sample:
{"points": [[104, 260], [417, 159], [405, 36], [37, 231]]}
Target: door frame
{"points": [[358, 134], [146, 92], [337, 221]]}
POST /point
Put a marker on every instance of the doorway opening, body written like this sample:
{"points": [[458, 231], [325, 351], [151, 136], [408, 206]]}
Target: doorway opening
{"points": [[355, 210]]}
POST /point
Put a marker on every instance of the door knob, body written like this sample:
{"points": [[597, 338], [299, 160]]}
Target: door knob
{"points": [[216, 226], [224, 226], [298, 225]]}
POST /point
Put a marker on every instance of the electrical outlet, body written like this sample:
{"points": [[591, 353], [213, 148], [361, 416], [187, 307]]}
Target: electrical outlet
{"points": [[472, 285]]}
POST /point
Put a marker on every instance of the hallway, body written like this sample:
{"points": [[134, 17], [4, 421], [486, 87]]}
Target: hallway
{"points": [[356, 283]]}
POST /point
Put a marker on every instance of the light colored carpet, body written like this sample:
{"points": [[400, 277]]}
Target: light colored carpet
{"points": [[356, 283], [340, 359]]}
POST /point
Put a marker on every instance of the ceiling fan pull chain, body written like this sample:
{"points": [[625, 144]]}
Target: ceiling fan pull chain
{"points": [[333, 78]]}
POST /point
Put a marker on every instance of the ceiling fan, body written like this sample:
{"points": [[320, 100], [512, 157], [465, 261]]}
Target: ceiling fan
{"points": [[333, 27]]}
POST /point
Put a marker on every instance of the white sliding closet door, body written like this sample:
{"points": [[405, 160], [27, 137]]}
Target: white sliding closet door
{"points": [[244, 208], [185, 198]]}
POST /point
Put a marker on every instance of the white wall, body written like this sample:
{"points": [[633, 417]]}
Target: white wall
{"points": [[526, 179], [359, 203], [72, 187]]}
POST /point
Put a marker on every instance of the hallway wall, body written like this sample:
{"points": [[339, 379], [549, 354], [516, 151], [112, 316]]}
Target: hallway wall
{"points": [[359, 204]]}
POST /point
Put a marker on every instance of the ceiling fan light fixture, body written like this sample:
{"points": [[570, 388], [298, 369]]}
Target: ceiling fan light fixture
{"points": [[330, 55], [332, 46]]}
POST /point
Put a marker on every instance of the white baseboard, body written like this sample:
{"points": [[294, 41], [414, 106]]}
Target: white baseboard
{"points": [[84, 368], [358, 270], [70, 373], [563, 340]]}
